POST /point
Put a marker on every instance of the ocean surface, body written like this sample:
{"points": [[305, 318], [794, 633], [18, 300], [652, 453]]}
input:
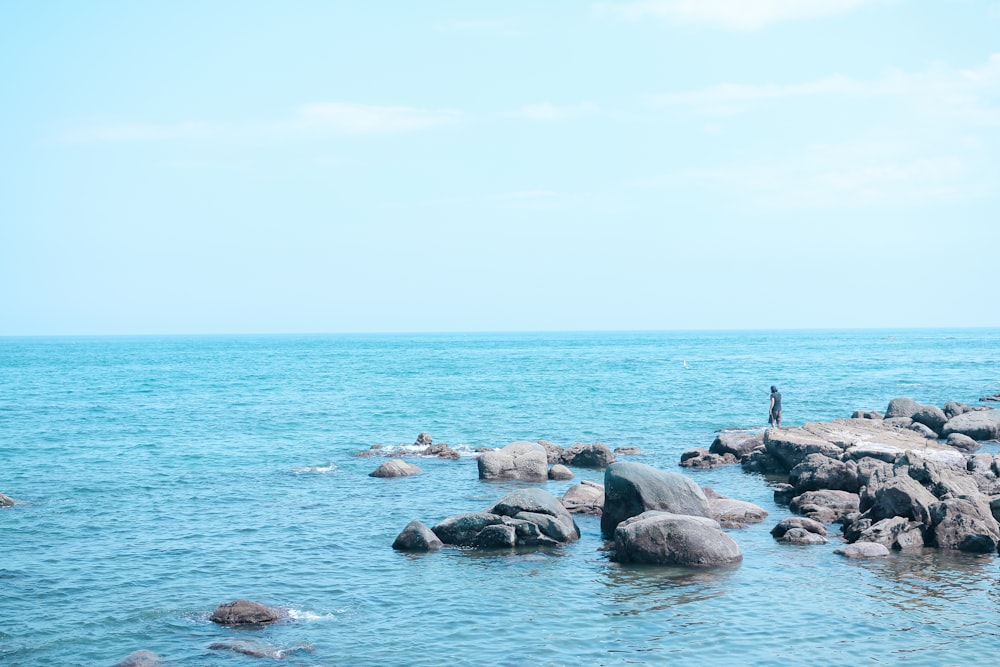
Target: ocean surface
{"points": [[159, 477]]}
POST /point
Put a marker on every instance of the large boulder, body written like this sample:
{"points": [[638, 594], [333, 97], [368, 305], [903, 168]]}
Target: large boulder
{"points": [[580, 455], [897, 495], [896, 533], [962, 443], [552, 451], [416, 537], [527, 517], [245, 612], [541, 508], [526, 461], [460, 530], [979, 425], [825, 505], [735, 513], [902, 407], [821, 472], [395, 468], [930, 416], [584, 498], [632, 488], [792, 445], [800, 523], [964, 525], [559, 472], [737, 443], [663, 538]]}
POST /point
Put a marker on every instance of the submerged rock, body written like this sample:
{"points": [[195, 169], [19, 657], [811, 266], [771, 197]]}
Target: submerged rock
{"points": [[257, 649], [140, 659], [245, 612]]}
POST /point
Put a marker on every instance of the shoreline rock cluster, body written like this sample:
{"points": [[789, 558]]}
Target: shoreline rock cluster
{"points": [[906, 478]]}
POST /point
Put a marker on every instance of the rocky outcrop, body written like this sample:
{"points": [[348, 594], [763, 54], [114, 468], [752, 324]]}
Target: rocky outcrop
{"points": [[526, 461], [633, 488], [584, 498], [416, 537], [245, 612], [395, 468], [580, 455], [867, 414], [663, 538], [524, 518], [737, 443]]}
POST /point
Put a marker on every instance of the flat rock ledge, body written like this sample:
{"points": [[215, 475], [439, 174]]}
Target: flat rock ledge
{"points": [[245, 612]]}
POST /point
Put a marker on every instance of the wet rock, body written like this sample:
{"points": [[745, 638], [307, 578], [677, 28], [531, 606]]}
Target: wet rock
{"points": [[730, 512], [441, 451], [395, 468], [964, 525], [633, 488], [526, 461], [994, 397], [822, 472], [895, 533], [897, 495], [496, 536], [801, 537], [416, 537], [962, 443], [800, 523], [783, 493], [424, 439], [245, 612], [462, 529], [702, 458], [738, 444], [584, 498], [527, 517], [662, 538], [140, 659], [863, 550], [541, 508], [559, 472], [824, 505], [580, 455]]}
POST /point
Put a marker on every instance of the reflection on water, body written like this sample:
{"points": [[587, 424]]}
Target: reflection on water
{"points": [[636, 589]]}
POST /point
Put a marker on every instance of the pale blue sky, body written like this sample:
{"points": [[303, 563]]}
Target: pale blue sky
{"points": [[226, 167]]}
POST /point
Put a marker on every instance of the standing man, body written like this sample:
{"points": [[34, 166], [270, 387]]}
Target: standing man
{"points": [[774, 415]]}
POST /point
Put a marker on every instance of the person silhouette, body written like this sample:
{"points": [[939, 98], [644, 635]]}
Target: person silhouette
{"points": [[774, 413]]}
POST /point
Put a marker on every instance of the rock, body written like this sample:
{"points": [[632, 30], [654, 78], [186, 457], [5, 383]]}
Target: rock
{"points": [[245, 612], [140, 659], [863, 550], [979, 425], [798, 522], [801, 537], [584, 498], [994, 397], [526, 461], [898, 495], [702, 458], [964, 525], [783, 493], [867, 414], [943, 481], [923, 430], [560, 472], [896, 533], [395, 468], [792, 445], [7, 501], [552, 451], [953, 409], [729, 512], [824, 505], [257, 649], [737, 443], [496, 536], [460, 530], [580, 455], [416, 537], [897, 422], [442, 451], [902, 407], [821, 472], [962, 442], [930, 416], [541, 508], [662, 538], [632, 488], [424, 439], [628, 451]]}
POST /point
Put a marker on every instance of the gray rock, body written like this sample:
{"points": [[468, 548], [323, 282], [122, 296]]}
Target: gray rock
{"points": [[460, 530], [245, 612], [867, 414], [702, 458], [140, 659], [783, 493], [395, 468], [541, 508], [632, 488], [416, 537], [896, 533], [821, 472], [728, 511], [898, 495], [526, 461], [7, 501], [800, 523], [962, 443], [552, 451], [580, 455], [801, 537], [662, 538], [930, 416], [584, 498], [496, 536], [442, 451], [979, 425], [792, 445], [559, 472], [902, 407], [737, 443], [257, 649], [424, 439], [964, 525], [628, 450], [825, 505], [923, 430], [862, 550], [897, 422]]}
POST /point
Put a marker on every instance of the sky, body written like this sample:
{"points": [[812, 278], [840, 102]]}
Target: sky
{"points": [[189, 167]]}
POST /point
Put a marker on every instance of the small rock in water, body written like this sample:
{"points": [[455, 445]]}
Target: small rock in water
{"points": [[140, 659], [245, 612], [863, 550]]}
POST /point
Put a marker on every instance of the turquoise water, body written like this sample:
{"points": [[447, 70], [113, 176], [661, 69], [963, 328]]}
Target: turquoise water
{"points": [[160, 477]]}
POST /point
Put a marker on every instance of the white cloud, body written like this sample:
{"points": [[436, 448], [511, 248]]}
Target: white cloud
{"points": [[315, 120], [730, 14], [548, 111]]}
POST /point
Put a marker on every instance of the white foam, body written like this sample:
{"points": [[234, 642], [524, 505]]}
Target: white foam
{"points": [[329, 467]]}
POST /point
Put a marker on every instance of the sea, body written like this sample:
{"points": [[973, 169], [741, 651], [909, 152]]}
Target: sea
{"points": [[159, 477]]}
